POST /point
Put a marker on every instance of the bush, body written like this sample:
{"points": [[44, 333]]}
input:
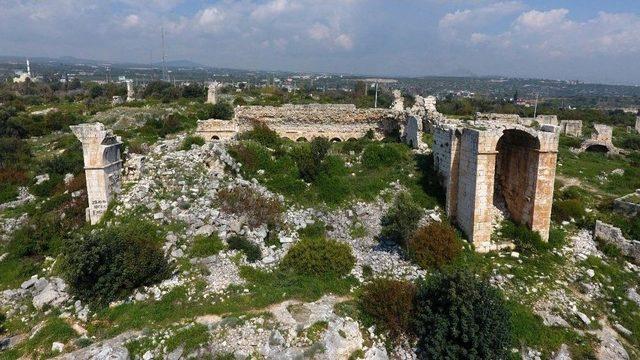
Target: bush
{"points": [[191, 140], [319, 148], [460, 317], [252, 156], [108, 264], [434, 245], [248, 202], [379, 155], [526, 240], [401, 220], [565, 210], [319, 257], [390, 305], [222, 111], [262, 134], [205, 246], [251, 250]]}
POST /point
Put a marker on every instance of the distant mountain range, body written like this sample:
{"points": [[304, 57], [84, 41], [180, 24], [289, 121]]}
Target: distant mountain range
{"points": [[74, 61]]}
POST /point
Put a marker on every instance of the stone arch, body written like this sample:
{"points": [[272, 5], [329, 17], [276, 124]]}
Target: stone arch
{"points": [[597, 148], [352, 139], [336, 139], [515, 176], [301, 139], [215, 137]]}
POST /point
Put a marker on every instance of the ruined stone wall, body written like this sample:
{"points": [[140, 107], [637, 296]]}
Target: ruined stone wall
{"points": [[571, 127], [102, 164], [473, 162], [214, 129], [638, 124], [601, 138], [334, 121], [411, 133], [507, 118]]}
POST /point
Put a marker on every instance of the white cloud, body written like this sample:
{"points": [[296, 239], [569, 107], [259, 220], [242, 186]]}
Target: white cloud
{"points": [[543, 21], [210, 19], [130, 21], [344, 41], [451, 24], [273, 9]]}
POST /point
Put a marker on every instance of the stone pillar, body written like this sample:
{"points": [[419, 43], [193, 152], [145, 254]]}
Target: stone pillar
{"points": [[543, 195], [130, 93], [398, 101], [212, 92], [638, 124], [102, 166]]}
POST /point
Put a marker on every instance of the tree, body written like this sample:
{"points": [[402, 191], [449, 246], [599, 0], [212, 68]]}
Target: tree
{"points": [[401, 220], [460, 317]]}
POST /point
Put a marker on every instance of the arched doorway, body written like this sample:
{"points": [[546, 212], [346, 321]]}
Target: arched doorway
{"points": [[301, 139], [516, 175], [335, 139], [215, 137], [597, 148]]}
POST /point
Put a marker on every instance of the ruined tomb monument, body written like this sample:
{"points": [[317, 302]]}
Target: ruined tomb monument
{"points": [[131, 96], [212, 92], [496, 164], [600, 141], [102, 166]]}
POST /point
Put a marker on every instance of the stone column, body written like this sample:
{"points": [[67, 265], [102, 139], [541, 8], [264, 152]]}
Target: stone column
{"points": [[638, 124], [212, 92], [102, 166], [130, 93], [543, 196]]}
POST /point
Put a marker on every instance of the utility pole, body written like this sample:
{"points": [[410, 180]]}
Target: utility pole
{"points": [[164, 64], [535, 109], [375, 101]]}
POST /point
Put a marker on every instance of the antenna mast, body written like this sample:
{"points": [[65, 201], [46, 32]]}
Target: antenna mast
{"points": [[164, 64]]}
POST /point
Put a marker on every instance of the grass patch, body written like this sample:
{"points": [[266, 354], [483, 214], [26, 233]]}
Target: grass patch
{"points": [[205, 246]]}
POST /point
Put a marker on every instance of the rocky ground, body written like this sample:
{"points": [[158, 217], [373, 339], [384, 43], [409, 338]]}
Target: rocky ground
{"points": [[179, 189]]}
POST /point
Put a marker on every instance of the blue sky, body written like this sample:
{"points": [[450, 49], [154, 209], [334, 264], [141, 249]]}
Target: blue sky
{"points": [[589, 40]]}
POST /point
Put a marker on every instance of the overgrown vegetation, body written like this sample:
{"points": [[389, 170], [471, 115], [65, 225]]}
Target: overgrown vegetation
{"points": [[401, 220], [389, 304], [433, 245], [241, 243], [460, 317], [319, 257], [108, 264]]}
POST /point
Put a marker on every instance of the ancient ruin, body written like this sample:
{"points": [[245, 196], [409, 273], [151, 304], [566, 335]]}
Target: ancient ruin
{"points": [[600, 140], [212, 92], [337, 122], [102, 165], [398, 101], [131, 96], [571, 127], [491, 167], [638, 124]]}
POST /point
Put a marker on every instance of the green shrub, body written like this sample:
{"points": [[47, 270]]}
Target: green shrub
{"points": [[332, 189], [308, 169], [317, 229], [252, 156], [108, 264], [565, 210], [319, 257], [401, 220], [433, 245], [42, 235], [526, 240], [262, 134], [222, 111], [378, 155], [251, 250], [319, 148], [191, 140], [354, 145], [389, 303], [205, 246], [46, 188], [460, 317], [248, 202]]}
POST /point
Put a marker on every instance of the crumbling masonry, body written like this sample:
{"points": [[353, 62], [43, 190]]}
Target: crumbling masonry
{"points": [[337, 122], [489, 165], [102, 166]]}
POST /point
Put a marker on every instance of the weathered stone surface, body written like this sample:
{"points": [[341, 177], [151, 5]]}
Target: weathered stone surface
{"points": [[613, 235], [112, 349], [102, 164], [500, 161], [628, 204], [338, 122], [571, 127], [600, 140], [212, 92]]}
